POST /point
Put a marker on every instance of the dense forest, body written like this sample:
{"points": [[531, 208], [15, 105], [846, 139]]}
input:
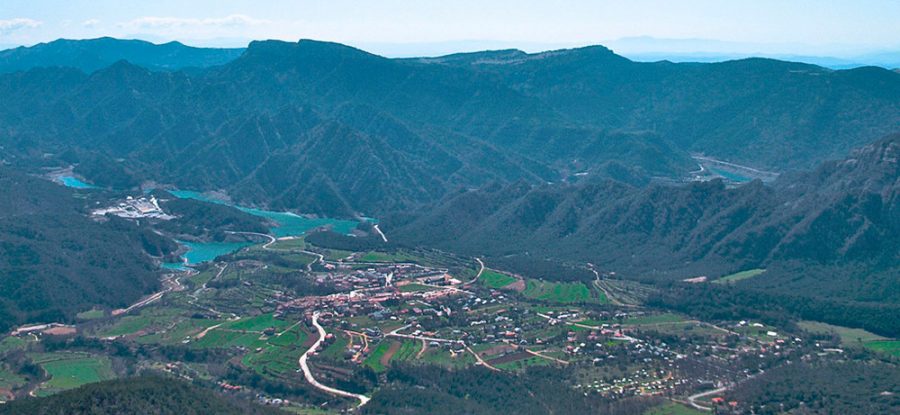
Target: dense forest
{"points": [[140, 395], [838, 387], [207, 221], [55, 261]]}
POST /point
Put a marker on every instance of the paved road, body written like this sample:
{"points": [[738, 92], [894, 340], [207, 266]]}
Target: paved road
{"points": [[363, 399], [693, 398], [478, 275], [380, 233]]}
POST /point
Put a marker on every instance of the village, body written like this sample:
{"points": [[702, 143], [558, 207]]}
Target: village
{"points": [[373, 311]]}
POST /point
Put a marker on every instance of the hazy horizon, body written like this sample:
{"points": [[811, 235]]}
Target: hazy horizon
{"points": [[646, 29]]}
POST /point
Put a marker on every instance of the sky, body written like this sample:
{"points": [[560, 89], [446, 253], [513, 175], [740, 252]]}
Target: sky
{"points": [[434, 27]]}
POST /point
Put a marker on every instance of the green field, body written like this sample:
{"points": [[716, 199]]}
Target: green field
{"points": [[92, 314], [409, 288], [891, 347], [289, 244], [848, 335], [128, 325], [743, 275], [223, 338], [558, 292], [336, 349], [441, 357], [375, 256], [523, 363], [155, 317], [673, 409], [275, 359], [257, 323], [71, 370], [408, 350], [494, 279], [182, 330], [336, 254], [374, 359]]}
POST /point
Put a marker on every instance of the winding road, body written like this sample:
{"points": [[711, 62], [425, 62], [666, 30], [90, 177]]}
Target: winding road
{"points": [[307, 373], [478, 275]]}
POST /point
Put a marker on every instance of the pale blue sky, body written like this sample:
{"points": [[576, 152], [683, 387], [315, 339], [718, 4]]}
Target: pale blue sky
{"points": [[821, 27]]}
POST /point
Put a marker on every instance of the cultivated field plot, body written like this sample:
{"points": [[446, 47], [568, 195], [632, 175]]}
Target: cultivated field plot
{"points": [[561, 292], [149, 319], [278, 356], [891, 347], [849, 336], [71, 370]]}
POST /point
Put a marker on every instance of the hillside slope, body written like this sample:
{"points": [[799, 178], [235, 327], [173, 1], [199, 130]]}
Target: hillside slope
{"points": [[840, 222], [56, 262]]}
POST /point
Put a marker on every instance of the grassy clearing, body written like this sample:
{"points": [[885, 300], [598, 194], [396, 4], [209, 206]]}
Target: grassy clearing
{"points": [[891, 347], [92, 314], [738, 276], [375, 256], [847, 334], [523, 363], [71, 370], [673, 408], [558, 292], [494, 279]]}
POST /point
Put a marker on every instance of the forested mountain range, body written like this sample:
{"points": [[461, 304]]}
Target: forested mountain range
{"points": [[571, 155], [354, 132], [92, 54], [829, 236], [843, 210]]}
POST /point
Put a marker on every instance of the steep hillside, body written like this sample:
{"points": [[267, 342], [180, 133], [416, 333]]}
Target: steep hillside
{"points": [[55, 261], [844, 214]]}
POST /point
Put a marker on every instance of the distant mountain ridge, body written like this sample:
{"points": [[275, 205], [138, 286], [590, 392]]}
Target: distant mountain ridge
{"points": [[92, 54], [325, 128]]}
